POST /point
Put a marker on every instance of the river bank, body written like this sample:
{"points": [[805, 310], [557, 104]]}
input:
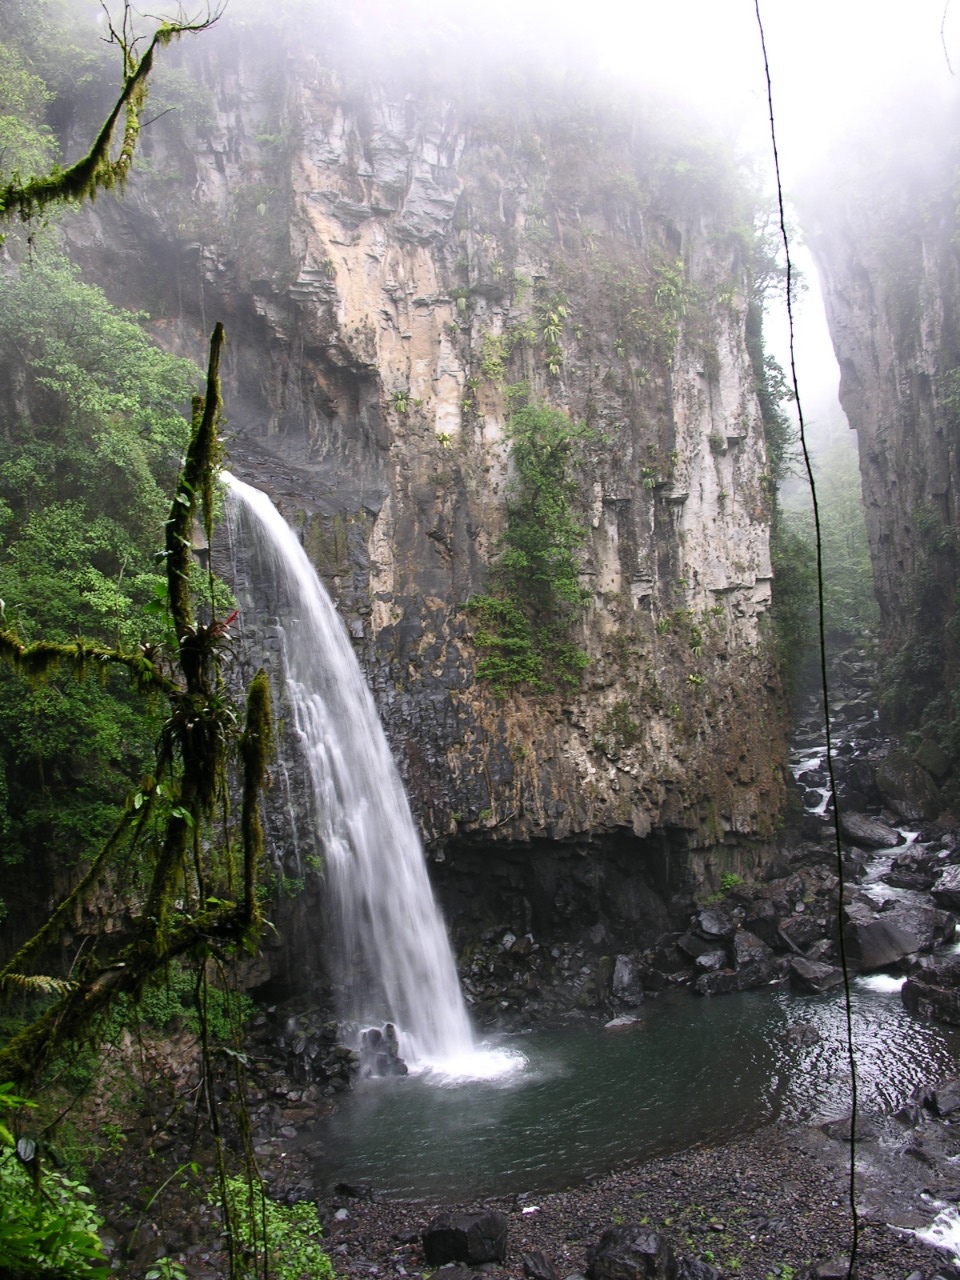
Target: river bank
{"points": [[774, 1203]]}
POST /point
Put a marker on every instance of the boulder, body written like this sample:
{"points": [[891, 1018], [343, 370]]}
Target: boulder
{"points": [[693, 946], [627, 983], [877, 940], [802, 1033], [813, 975], [473, 1238], [868, 832], [762, 920], [755, 963], [717, 984], [907, 788], [946, 889], [631, 1252], [713, 923], [933, 760], [696, 1269], [537, 1266], [914, 869], [946, 1098], [801, 930], [933, 989]]}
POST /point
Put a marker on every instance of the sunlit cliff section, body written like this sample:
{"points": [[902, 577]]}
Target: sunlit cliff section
{"points": [[403, 260], [886, 243]]}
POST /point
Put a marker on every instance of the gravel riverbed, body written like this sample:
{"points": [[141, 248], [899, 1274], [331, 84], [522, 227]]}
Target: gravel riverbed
{"points": [[775, 1203]]}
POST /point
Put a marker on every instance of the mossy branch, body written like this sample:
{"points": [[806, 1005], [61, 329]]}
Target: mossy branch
{"points": [[44, 658], [195, 483], [97, 170], [255, 750]]}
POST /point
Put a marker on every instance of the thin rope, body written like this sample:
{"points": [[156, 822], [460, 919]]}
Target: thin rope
{"points": [[943, 36], [824, 681]]}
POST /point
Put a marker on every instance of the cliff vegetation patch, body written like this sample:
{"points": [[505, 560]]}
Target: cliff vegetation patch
{"points": [[526, 619]]}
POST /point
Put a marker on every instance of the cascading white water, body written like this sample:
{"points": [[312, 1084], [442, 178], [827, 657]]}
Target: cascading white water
{"points": [[374, 860]]}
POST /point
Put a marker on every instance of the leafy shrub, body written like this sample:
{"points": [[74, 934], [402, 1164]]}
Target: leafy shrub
{"points": [[47, 1227], [286, 1236]]}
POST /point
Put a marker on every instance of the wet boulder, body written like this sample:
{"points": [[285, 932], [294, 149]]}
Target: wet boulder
{"points": [[878, 939], [801, 930], [907, 788], [753, 960], [763, 921], [813, 975], [933, 989], [719, 983], [537, 1266], [631, 1252], [802, 1034], [713, 923], [627, 982], [473, 1238], [946, 1098], [933, 759], [696, 1269], [868, 833], [915, 869], [693, 946], [946, 889]]}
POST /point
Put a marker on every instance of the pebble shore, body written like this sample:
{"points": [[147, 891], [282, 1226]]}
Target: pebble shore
{"points": [[772, 1204]]}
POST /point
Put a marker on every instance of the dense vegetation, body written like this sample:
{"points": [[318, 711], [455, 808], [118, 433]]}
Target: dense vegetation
{"points": [[91, 436], [525, 620], [121, 745]]}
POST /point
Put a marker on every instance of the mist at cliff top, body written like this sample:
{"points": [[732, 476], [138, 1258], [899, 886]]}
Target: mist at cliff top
{"points": [[830, 60], [836, 67]]}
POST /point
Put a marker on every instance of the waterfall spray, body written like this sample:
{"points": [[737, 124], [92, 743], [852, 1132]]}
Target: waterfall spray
{"points": [[374, 860]]}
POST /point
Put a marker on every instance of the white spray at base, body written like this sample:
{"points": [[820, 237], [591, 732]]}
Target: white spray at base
{"points": [[374, 861]]}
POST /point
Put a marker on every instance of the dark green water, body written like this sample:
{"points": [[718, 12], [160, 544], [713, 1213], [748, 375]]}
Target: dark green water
{"points": [[588, 1099]]}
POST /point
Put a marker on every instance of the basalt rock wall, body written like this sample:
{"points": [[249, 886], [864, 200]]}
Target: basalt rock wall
{"points": [[400, 265], [885, 242]]}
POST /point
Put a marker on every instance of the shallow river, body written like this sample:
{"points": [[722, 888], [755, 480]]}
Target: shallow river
{"points": [[585, 1099]]}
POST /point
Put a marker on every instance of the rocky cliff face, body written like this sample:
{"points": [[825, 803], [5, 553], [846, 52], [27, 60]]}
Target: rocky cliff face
{"points": [[397, 269], [885, 241]]}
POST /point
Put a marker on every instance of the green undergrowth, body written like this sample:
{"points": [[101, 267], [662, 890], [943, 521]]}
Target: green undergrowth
{"points": [[48, 1225], [283, 1238], [525, 620]]}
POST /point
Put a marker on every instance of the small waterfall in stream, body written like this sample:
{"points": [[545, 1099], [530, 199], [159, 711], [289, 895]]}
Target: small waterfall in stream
{"points": [[374, 861]]}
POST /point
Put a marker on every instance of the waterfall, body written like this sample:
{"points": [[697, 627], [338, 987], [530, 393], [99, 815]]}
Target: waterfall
{"points": [[374, 861]]}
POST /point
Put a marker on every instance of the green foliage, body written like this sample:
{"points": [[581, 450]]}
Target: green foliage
{"points": [[494, 357], [176, 998], [525, 621], [47, 1226], [542, 531], [279, 1241], [849, 603], [91, 434], [26, 144], [793, 556]]}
